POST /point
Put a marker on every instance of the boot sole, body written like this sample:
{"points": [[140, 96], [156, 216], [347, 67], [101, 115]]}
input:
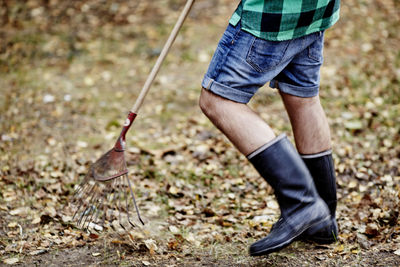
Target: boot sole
{"points": [[288, 242]]}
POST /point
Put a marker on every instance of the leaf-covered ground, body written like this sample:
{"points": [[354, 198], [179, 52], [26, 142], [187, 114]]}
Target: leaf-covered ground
{"points": [[70, 71]]}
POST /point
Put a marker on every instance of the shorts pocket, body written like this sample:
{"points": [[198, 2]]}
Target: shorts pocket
{"points": [[315, 50], [223, 49], [265, 55], [217, 61]]}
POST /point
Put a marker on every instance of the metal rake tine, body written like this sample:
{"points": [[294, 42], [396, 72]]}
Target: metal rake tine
{"points": [[110, 199], [127, 204], [97, 211], [82, 185], [119, 204], [91, 215], [104, 215], [115, 184], [77, 191], [111, 196], [84, 216], [81, 188], [81, 201], [89, 210], [85, 210], [134, 202]]}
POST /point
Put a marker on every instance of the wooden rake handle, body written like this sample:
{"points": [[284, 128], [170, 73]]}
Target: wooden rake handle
{"points": [[164, 52]]}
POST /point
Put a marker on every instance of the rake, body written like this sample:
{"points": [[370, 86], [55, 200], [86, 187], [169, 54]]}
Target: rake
{"points": [[107, 183]]}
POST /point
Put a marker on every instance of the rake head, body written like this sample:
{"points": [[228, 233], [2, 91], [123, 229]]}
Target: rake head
{"points": [[109, 166], [105, 195]]}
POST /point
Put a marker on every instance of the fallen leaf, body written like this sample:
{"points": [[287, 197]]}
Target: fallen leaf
{"points": [[339, 248], [173, 244], [173, 229], [38, 252], [192, 239], [22, 211], [12, 225], [93, 236], [372, 230], [47, 98], [151, 245], [353, 125], [36, 220], [208, 212], [45, 219], [11, 261]]}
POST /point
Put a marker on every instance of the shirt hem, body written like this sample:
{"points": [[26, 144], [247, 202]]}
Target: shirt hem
{"points": [[236, 18]]}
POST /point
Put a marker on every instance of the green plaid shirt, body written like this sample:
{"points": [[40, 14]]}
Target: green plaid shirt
{"points": [[279, 20]]}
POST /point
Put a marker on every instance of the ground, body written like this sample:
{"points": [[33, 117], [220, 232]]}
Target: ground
{"points": [[71, 70]]}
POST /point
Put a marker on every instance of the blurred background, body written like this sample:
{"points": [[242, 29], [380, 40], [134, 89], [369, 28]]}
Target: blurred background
{"points": [[71, 70]]}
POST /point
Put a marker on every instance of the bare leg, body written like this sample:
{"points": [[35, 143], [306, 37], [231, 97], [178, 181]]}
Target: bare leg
{"points": [[244, 128], [309, 123]]}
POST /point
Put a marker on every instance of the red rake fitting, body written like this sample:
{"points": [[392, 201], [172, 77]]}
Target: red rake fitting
{"points": [[112, 164], [120, 144]]}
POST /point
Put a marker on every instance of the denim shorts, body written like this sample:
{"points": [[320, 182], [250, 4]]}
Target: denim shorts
{"points": [[242, 63]]}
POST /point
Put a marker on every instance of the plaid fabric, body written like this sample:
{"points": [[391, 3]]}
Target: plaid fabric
{"points": [[279, 20]]}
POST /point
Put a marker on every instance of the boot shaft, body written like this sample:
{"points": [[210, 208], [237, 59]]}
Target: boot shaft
{"points": [[301, 208], [322, 169], [282, 167]]}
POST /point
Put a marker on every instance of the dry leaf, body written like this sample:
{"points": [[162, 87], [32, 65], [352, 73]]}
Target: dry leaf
{"points": [[339, 248], [151, 245], [38, 252], [11, 261], [372, 230], [173, 244], [173, 229], [36, 220], [22, 211], [12, 225]]}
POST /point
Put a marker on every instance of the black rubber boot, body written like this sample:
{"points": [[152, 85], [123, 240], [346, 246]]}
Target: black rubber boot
{"points": [[301, 207], [322, 170]]}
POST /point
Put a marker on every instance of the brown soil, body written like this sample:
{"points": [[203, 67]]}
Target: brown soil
{"points": [[307, 255]]}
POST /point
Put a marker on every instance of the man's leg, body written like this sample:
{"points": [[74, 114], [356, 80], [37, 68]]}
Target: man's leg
{"points": [[309, 123], [243, 127], [312, 136], [278, 163]]}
